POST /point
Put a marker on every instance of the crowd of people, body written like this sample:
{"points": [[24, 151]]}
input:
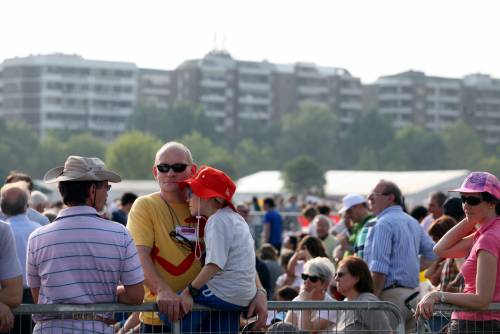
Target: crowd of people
{"points": [[190, 243]]}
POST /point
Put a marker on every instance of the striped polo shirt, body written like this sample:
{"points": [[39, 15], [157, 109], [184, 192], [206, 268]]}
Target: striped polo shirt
{"points": [[80, 258]]}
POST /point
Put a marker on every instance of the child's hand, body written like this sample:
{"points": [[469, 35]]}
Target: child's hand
{"points": [[187, 301]]}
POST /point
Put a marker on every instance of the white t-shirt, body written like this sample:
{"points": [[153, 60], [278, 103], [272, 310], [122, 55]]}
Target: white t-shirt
{"points": [[330, 315], [230, 246]]}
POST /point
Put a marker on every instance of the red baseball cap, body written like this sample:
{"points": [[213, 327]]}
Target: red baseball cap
{"points": [[210, 182]]}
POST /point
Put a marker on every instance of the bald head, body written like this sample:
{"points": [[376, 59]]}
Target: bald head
{"points": [[14, 199], [174, 146]]}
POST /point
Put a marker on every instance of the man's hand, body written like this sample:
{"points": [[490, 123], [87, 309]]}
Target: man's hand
{"points": [[169, 303], [258, 307], [187, 301], [6, 318]]}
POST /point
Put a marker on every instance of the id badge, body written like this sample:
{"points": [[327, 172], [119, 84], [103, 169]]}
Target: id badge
{"points": [[187, 232]]}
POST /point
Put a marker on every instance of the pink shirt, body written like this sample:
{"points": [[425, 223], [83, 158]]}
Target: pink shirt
{"points": [[487, 238]]}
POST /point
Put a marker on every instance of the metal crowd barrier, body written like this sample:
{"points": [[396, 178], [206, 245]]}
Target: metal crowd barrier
{"points": [[276, 312], [440, 322]]}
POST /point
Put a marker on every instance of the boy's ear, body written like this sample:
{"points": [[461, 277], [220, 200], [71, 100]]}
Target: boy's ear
{"points": [[193, 169]]}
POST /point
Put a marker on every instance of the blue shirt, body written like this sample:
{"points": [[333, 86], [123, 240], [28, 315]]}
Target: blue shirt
{"points": [[393, 247], [22, 227], [273, 218]]}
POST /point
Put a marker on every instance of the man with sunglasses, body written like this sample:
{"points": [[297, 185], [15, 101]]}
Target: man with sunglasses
{"points": [[160, 224], [396, 249]]}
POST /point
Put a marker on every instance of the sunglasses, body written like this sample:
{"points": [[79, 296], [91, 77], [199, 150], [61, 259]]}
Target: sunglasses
{"points": [[177, 168], [182, 240], [471, 200], [313, 279]]}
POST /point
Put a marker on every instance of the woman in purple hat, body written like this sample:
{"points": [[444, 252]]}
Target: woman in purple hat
{"points": [[478, 238]]}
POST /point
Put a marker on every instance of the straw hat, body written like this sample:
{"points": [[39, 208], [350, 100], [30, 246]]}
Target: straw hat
{"points": [[78, 168]]}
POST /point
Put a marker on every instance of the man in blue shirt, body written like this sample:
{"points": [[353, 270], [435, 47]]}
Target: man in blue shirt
{"points": [[396, 249], [273, 224]]}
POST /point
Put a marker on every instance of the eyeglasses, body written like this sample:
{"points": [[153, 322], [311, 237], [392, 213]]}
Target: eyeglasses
{"points": [[313, 279], [373, 194], [339, 274], [471, 200], [182, 240], [177, 168]]}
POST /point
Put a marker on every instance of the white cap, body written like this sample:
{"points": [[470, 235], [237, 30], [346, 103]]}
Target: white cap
{"points": [[351, 200]]}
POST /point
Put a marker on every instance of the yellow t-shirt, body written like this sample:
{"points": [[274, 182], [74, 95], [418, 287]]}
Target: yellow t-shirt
{"points": [[150, 222]]}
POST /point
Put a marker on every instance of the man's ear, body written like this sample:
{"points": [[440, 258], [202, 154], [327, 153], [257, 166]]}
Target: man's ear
{"points": [[155, 172]]}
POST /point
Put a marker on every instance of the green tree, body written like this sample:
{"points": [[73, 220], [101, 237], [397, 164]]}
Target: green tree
{"points": [[50, 153], [178, 120], [364, 142], [464, 147], [304, 175], [205, 152], [86, 145], [310, 131], [249, 158], [415, 148], [132, 155]]}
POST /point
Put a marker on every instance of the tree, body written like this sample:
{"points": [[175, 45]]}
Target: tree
{"points": [[132, 155], [205, 152], [86, 145], [310, 131], [364, 142], [50, 153], [304, 175], [464, 147], [415, 149], [178, 120], [249, 158]]}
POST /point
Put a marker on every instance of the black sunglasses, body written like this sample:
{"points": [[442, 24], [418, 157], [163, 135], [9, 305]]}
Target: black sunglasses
{"points": [[471, 200], [178, 168], [182, 240], [313, 279]]}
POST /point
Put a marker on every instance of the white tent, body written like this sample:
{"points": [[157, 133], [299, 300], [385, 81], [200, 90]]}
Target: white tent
{"points": [[415, 185]]}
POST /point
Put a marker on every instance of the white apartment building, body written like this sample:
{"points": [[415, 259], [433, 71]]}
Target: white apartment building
{"points": [[69, 93], [154, 88], [411, 98], [482, 105]]}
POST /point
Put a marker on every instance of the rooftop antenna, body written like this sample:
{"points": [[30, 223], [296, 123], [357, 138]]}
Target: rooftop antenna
{"points": [[223, 42], [215, 42]]}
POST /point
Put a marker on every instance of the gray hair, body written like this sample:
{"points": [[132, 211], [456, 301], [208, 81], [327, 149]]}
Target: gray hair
{"points": [[321, 267], [321, 217], [37, 197], [180, 146]]}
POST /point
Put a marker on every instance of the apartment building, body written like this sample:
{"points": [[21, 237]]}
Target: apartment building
{"points": [[482, 105], [412, 98], [69, 93], [155, 88]]}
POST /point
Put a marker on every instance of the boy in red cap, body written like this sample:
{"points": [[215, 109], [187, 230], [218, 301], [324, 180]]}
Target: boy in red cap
{"points": [[227, 280]]}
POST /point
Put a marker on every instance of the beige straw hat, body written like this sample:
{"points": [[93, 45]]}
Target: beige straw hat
{"points": [[78, 168]]}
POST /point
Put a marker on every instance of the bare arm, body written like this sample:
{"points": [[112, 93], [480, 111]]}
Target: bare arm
{"points": [[131, 294], [206, 273], [266, 232], [35, 292], [11, 293], [485, 286], [168, 301], [258, 306], [433, 273], [457, 242], [378, 283]]}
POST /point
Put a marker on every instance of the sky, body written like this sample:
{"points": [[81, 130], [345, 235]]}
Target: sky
{"points": [[369, 38]]}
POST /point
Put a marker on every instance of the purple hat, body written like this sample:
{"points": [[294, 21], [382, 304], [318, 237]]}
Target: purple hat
{"points": [[478, 182]]}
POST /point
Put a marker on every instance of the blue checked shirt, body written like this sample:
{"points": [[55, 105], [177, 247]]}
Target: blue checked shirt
{"points": [[393, 247]]}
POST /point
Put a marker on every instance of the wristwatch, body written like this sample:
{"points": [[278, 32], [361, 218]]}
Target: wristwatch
{"points": [[193, 291]]}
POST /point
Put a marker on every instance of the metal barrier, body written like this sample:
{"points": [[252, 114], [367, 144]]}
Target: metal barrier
{"points": [[95, 313], [442, 315]]}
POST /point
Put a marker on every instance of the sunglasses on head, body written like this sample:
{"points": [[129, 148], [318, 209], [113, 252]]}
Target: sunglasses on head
{"points": [[471, 200], [313, 279], [165, 168]]}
